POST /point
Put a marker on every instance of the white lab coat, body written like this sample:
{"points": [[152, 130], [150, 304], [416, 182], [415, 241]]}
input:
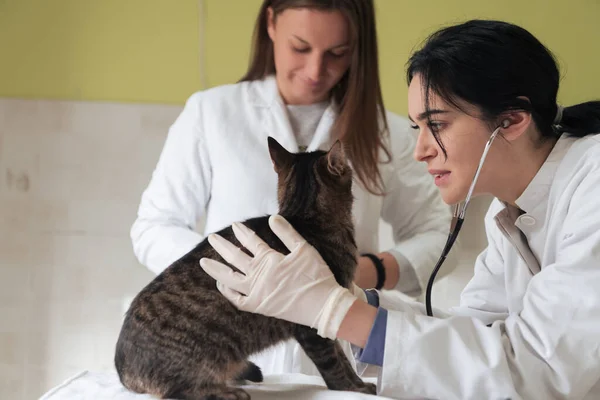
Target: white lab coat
{"points": [[537, 283], [215, 163]]}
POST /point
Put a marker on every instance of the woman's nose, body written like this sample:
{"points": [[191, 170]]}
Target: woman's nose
{"points": [[315, 67], [425, 148]]}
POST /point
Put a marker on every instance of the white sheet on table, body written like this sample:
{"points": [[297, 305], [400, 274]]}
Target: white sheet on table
{"points": [[106, 385]]}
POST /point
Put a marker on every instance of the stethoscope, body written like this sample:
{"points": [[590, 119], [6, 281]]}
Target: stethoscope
{"points": [[458, 218]]}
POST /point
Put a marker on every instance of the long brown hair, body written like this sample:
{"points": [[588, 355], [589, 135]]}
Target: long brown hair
{"points": [[361, 123]]}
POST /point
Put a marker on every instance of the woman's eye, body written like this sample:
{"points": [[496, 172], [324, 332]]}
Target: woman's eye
{"points": [[301, 50], [415, 127], [337, 55], [436, 126]]}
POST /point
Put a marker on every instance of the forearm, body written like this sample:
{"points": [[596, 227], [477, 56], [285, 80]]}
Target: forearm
{"points": [[356, 325], [366, 274], [157, 246], [392, 270]]}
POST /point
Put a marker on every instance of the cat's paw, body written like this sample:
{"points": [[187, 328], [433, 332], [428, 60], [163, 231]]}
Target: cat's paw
{"points": [[228, 394], [366, 388]]}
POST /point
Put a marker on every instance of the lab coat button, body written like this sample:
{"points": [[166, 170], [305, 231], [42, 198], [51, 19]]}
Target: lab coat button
{"points": [[527, 220]]}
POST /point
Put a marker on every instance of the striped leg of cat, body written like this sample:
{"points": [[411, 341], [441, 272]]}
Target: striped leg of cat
{"points": [[207, 389], [210, 393], [330, 360], [215, 382]]}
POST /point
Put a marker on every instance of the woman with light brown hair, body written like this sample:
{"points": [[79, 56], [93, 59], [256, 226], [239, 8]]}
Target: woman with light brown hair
{"points": [[313, 78]]}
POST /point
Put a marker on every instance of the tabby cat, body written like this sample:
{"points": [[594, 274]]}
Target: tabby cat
{"points": [[181, 338]]}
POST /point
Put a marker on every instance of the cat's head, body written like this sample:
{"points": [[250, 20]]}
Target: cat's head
{"points": [[315, 184]]}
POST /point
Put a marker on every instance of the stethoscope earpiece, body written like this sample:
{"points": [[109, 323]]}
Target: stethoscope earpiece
{"points": [[505, 124]]}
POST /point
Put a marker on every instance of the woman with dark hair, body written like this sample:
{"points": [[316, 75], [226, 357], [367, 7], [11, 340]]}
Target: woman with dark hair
{"points": [[313, 79], [528, 325]]}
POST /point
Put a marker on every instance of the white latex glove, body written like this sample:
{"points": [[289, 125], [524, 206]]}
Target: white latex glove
{"points": [[298, 287], [358, 292]]}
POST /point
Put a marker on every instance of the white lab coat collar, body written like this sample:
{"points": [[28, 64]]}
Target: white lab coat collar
{"points": [[517, 223], [265, 94], [534, 199]]}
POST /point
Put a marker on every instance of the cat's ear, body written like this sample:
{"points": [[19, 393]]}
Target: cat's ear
{"points": [[336, 158], [279, 155]]}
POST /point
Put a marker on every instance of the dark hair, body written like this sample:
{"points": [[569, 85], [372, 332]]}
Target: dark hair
{"points": [[499, 67], [361, 123]]}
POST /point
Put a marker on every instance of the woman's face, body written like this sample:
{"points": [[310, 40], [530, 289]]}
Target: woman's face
{"points": [[312, 52], [464, 138]]}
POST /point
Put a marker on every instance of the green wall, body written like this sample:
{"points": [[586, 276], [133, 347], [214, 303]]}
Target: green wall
{"points": [[570, 29], [150, 50], [113, 50]]}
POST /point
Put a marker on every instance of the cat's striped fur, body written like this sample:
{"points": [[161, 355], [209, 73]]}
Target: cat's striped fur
{"points": [[182, 339]]}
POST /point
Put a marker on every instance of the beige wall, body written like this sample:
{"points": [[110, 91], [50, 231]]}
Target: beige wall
{"points": [[72, 175]]}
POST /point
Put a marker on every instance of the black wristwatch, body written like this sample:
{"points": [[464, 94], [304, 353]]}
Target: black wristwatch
{"points": [[378, 262]]}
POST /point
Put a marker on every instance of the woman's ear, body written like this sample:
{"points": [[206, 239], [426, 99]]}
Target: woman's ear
{"points": [[514, 124], [271, 23]]}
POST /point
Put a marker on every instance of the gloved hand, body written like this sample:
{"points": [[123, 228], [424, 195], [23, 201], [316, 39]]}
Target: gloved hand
{"points": [[298, 287]]}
